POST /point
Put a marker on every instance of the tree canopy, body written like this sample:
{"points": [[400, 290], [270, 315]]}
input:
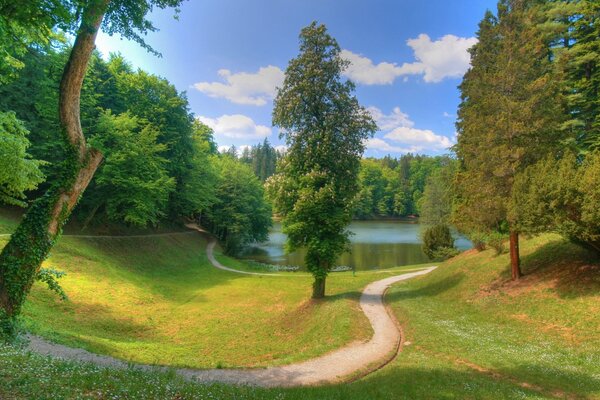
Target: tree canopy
{"points": [[324, 127]]}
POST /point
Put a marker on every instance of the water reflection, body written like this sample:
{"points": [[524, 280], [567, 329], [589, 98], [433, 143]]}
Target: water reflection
{"points": [[375, 245]]}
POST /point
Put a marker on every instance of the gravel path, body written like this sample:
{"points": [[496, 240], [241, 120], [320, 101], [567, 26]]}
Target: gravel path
{"points": [[355, 359]]}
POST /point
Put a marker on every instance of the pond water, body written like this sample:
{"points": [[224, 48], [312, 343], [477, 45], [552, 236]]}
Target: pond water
{"points": [[375, 245]]}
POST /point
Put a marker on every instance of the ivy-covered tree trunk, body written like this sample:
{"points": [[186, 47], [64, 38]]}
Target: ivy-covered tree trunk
{"points": [[515, 260], [30, 244]]}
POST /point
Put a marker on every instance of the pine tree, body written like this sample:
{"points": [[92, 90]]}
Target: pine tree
{"points": [[509, 117]]}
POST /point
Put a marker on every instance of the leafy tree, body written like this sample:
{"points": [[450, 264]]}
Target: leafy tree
{"points": [[509, 117], [133, 183], [240, 214], [198, 184], [21, 258], [325, 128], [18, 171], [23, 25]]}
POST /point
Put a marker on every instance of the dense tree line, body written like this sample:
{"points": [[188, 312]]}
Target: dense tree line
{"points": [[529, 124], [394, 187]]}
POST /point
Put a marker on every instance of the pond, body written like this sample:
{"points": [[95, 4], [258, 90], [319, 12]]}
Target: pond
{"points": [[375, 245]]}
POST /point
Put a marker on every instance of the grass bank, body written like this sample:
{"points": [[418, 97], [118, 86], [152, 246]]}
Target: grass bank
{"points": [[157, 300]]}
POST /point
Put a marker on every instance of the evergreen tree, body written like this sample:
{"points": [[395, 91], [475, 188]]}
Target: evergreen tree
{"points": [[509, 117]]}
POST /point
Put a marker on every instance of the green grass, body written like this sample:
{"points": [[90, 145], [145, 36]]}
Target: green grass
{"points": [[157, 300], [473, 334]]}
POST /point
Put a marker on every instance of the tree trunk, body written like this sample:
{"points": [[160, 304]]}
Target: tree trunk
{"points": [[30, 244], [515, 260], [319, 288]]}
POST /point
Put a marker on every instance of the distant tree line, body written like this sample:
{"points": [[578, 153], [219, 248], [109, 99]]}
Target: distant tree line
{"points": [[394, 187]]}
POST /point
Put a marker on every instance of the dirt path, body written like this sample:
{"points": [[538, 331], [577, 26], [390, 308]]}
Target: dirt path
{"points": [[353, 360]]}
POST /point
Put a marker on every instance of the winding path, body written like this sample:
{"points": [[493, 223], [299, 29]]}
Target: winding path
{"points": [[354, 360]]}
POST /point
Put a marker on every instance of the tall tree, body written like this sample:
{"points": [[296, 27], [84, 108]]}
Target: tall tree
{"points": [[30, 244], [509, 117], [324, 128]]}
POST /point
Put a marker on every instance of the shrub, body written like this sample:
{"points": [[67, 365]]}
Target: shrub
{"points": [[435, 238], [496, 241], [478, 239]]}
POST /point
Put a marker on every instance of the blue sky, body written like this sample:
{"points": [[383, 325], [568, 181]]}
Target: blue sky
{"points": [[229, 55]]}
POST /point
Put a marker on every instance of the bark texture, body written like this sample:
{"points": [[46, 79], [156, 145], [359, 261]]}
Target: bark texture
{"points": [[515, 260]]}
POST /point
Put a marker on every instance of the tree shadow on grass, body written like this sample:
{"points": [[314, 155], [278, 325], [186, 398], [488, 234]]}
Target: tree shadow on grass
{"points": [[429, 290], [571, 270], [452, 382], [174, 267]]}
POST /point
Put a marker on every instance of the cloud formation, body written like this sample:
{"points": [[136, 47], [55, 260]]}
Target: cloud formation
{"points": [[236, 126], [400, 130], [244, 87], [447, 57]]}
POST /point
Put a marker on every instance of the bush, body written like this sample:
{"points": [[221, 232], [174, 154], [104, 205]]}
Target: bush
{"points": [[444, 253], [496, 241], [436, 238], [478, 239]]}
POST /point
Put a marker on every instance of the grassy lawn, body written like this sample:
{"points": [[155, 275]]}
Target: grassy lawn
{"points": [[157, 300], [471, 333]]}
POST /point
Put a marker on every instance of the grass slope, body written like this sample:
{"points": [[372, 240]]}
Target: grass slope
{"points": [[470, 332], [157, 300]]}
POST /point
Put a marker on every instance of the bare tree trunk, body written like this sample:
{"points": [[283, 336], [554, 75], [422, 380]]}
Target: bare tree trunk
{"points": [[319, 288], [30, 244], [515, 260]]}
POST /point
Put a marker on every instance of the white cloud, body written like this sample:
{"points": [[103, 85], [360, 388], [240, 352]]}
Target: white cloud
{"points": [[243, 87], [281, 148], [448, 115], [435, 60], [447, 57], [388, 122], [421, 139], [236, 126], [382, 145], [400, 129]]}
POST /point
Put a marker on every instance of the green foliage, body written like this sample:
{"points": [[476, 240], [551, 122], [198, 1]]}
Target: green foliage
{"points": [[394, 187], [24, 25], [133, 182], [561, 196], [263, 159], [496, 241], [438, 243], [578, 59], [240, 214], [50, 277], [18, 172], [22, 257], [325, 128], [510, 113], [436, 203]]}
